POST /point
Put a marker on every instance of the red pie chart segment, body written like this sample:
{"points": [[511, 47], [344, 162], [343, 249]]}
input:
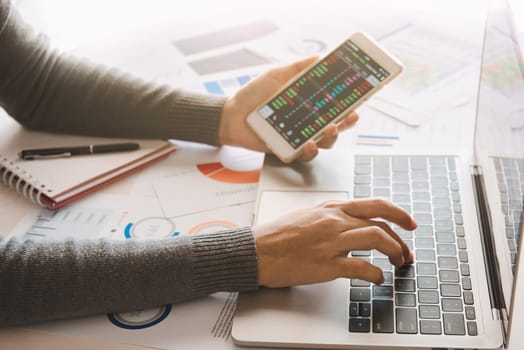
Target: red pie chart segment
{"points": [[218, 172]]}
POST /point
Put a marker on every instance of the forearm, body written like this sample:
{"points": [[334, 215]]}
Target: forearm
{"points": [[42, 281], [46, 90]]}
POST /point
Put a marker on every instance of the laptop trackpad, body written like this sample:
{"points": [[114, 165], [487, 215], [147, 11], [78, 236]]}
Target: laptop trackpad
{"points": [[273, 204]]}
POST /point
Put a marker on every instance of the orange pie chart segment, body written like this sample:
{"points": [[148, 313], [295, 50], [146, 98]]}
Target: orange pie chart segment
{"points": [[218, 172]]}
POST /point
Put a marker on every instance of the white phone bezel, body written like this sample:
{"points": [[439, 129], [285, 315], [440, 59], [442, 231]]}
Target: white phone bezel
{"points": [[278, 145]]}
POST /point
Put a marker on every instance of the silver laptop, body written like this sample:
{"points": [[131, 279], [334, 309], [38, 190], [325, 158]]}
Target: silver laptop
{"points": [[468, 207]]}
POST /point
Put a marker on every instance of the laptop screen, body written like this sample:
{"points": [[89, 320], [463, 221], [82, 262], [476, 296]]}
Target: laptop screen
{"points": [[499, 135]]}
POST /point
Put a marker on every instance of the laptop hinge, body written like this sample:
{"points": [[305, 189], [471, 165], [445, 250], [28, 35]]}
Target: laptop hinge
{"points": [[498, 305]]}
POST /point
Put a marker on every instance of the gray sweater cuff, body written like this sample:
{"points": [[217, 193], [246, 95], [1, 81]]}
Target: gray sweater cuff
{"points": [[196, 117], [224, 261]]}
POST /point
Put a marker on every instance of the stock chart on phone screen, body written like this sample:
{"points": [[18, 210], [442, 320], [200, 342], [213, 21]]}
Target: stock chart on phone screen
{"points": [[322, 93]]}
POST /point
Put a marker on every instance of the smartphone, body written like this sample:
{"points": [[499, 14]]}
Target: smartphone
{"points": [[322, 94]]}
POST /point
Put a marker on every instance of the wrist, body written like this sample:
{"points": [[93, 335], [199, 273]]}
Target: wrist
{"points": [[224, 130]]}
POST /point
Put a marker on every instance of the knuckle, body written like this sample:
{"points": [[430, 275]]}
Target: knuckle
{"points": [[331, 220], [376, 233], [379, 202], [330, 204]]}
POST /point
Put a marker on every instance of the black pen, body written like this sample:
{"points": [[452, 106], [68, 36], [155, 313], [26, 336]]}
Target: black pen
{"points": [[64, 152]]}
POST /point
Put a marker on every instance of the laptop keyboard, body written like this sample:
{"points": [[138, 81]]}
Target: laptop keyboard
{"points": [[510, 179], [434, 294]]}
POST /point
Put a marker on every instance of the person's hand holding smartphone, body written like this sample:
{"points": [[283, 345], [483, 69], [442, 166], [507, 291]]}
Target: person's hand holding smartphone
{"points": [[322, 94], [233, 127]]}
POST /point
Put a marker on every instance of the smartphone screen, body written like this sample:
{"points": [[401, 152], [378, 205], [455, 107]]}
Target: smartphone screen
{"points": [[322, 93]]}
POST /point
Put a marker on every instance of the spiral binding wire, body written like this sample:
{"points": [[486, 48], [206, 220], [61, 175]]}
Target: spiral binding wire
{"points": [[20, 181]]}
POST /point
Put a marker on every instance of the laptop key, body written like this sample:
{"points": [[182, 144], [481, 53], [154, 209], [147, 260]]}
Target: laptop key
{"points": [[429, 311], [404, 285], [381, 181], [464, 269], [437, 160], [430, 327], [445, 237], [443, 225], [405, 299], [384, 264], [425, 255], [381, 166], [420, 186], [468, 298], [472, 328], [364, 309], [401, 188], [388, 277], [454, 324], [362, 191], [424, 230], [418, 162], [441, 202], [449, 276], [400, 198], [470, 312], [466, 283], [427, 282], [421, 196], [450, 290], [361, 253], [426, 268], [424, 242], [428, 297], [400, 164], [419, 175], [400, 177], [383, 291], [451, 163], [353, 309], [407, 271], [442, 213], [362, 160], [359, 294], [447, 262], [362, 179], [421, 207], [359, 283], [423, 219], [407, 322], [463, 256], [438, 170], [451, 304], [381, 192], [446, 249], [359, 325], [383, 316], [362, 169]]}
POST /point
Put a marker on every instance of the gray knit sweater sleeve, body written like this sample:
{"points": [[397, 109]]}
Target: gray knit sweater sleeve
{"points": [[41, 281]]}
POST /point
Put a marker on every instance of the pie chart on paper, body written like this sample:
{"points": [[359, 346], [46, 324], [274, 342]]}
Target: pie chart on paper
{"points": [[212, 226], [218, 172]]}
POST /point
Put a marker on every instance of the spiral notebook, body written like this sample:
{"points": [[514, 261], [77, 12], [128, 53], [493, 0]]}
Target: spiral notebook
{"points": [[53, 183]]}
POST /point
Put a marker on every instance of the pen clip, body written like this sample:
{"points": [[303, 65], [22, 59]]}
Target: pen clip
{"points": [[50, 156]]}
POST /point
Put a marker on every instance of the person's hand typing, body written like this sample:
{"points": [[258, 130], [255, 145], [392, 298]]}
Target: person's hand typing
{"points": [[234, 130], [312, 245]]}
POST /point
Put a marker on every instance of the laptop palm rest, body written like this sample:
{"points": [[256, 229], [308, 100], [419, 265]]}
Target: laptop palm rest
{"points": [[309, 313], [311, 316]]}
